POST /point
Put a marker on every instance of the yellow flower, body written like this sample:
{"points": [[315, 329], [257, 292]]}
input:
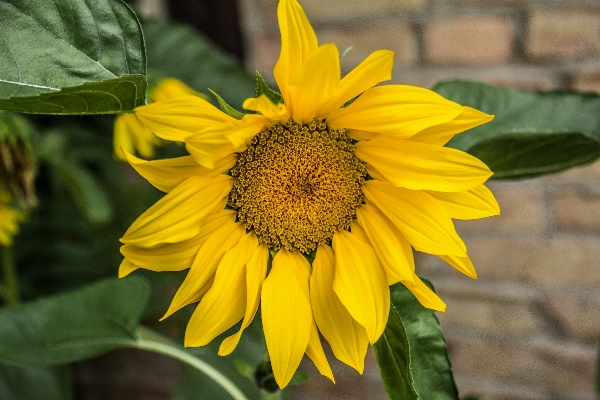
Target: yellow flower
{"points": [[9, 219], [132, 135], [351, 188]]}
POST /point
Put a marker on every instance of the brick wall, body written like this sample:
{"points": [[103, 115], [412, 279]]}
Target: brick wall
{"points": [[527, 328]]}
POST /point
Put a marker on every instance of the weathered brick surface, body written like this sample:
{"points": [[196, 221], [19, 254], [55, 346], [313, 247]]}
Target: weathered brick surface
{"points": [[469, 40], [538, 361], [522, 209], [320, 11], [577, 209], [573, 310], [586, 79], [563, 34], [562, 261], [365, 39]]}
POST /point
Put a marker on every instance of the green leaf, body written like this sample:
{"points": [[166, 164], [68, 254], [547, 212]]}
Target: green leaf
{"points": [[34, 383], [244, 369], [299, 378], [81, 184], [393, 356], [263, 88], [226, 108], [105, 97], [92, 50], [179, 51], [73, 326], [429, 363], [533, 133]]}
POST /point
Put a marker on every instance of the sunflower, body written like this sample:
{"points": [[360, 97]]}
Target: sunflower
{"points": [[9, 219], [308, 206], [132, 135]]}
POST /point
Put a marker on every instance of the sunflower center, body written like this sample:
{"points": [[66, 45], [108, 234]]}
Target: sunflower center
{"points": [[296, 185]]}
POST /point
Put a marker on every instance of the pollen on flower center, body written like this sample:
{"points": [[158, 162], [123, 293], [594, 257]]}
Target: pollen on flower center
{"points": [[296, 185]]}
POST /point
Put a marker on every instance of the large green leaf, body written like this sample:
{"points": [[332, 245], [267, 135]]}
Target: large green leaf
{"points": [[70, 57], [35, 383], [533, 133], [393, 356], [73, 326], [180, 52], [429, 364]]}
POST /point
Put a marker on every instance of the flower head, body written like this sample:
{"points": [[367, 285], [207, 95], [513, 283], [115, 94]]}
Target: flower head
{"points": [[132, 135], [9, 219], [335, 183]]}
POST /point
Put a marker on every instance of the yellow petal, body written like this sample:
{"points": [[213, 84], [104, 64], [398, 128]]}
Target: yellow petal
{"points": [[298, 42], [166, 174], [391, 247], [463, 264], [256, 271], [426, 296], [317, 80], [196, 283], [420, 166], [396, 110], [376, 174], [315, 352], [376, 68], [171, 87], [126, 268], [211, 144], [263, 105], [122, 138], [225, 303], [360, 283], [347, 338], [286, 313], [180, 117], [440, 134], [420, 218], [360, 135], [475, 203], [176, 217], [177, 256], [250, 125], [359, 232], [131, 134]]}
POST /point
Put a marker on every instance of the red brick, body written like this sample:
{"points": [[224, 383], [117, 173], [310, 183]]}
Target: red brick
{"points": [[563, 34], [576, 210], [522, 208], [366, 39], [482, 40]]}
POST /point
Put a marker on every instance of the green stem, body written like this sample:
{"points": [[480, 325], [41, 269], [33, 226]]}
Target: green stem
{"points": [[10, 276], [149, 340]]}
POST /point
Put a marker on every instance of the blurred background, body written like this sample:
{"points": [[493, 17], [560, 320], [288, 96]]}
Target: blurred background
{"points": [[528, 328]]}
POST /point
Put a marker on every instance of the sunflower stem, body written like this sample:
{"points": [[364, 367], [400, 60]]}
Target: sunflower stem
{"points": [[152, 341], [11, 284], [270, 395]]}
